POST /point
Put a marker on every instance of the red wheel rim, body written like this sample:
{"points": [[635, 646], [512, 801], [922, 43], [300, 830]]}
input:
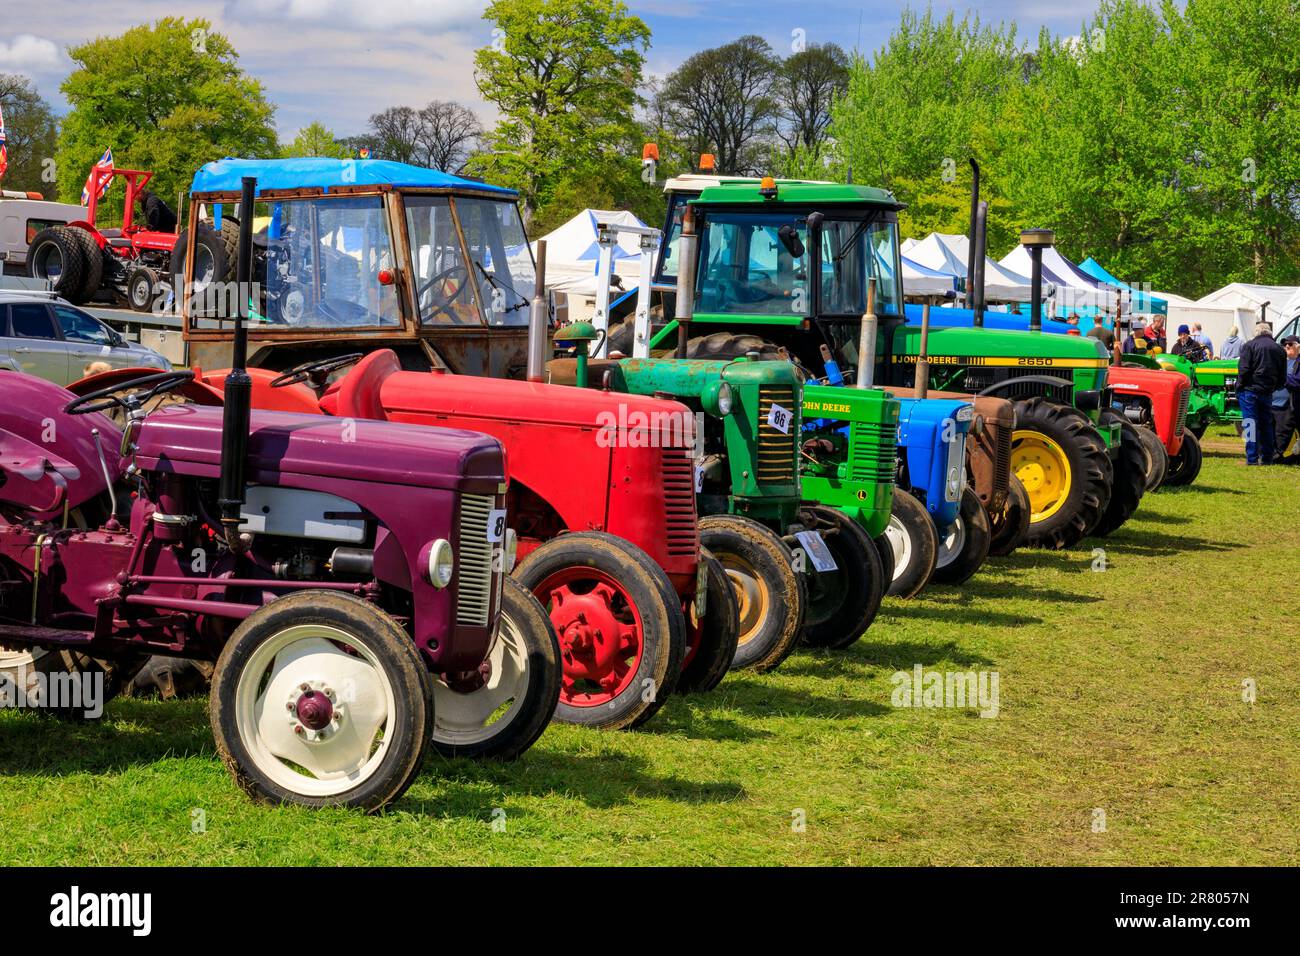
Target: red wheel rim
{"points": [[600, 630]]}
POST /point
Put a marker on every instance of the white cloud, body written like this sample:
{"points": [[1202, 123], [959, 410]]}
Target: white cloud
{"points": [[374, 15], [28, 54]]}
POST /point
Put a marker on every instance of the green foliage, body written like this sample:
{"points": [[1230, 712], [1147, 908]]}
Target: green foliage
{"points": [[1161, 141], [563, 74], [166, 97], [315, 139], [30, 131]]}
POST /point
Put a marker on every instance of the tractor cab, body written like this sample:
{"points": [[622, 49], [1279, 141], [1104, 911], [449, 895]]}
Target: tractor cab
{"points": [[362, 254]]}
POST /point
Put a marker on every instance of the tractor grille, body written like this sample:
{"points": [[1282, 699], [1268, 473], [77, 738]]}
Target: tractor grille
{"points": [[775, 451], [679, 501], [875, 453], [474, 561], [1184, 395], [1001, 462]]}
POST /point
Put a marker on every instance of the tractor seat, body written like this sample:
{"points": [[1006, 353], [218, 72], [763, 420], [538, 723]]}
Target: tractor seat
{"points": [[564, 371], [32, 478], [360, 392], [118, 242]]}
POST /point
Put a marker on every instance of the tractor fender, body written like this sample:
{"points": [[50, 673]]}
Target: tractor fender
{"points": [[1051, 387]]}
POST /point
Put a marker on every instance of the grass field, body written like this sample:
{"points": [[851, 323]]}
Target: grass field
{"points": [[1120, 692]]}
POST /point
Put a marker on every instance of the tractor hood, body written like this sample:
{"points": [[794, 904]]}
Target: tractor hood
{"points": [[186, 439], [690, 377], [1028, 350], [32, 409]]}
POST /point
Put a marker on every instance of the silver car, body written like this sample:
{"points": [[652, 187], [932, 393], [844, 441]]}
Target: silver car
{"points": [[43, 335]]}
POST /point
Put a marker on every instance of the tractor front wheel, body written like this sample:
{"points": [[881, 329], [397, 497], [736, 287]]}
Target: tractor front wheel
{"points": [[966, 545], [1186, 465], [842, 603], [770, 594], [914, 543], [1011, 524], [711, 639], [1062, 461], [1130, 477], [499, 710], [1157, 458], [621, 641]]}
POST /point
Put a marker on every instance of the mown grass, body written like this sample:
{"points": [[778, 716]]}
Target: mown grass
{"points": [[1119, 691]]}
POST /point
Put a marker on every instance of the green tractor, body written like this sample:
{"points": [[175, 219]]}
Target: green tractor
{"points": [[760, 246], [760, 526], [1213, 399]]}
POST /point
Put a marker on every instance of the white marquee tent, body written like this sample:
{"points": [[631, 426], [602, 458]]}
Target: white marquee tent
{"points": [[948, 253], [572, 252]]}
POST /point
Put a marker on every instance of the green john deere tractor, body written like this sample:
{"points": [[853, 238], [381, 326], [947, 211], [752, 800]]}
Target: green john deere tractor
{"points": [[762, 244], [759, 524]]}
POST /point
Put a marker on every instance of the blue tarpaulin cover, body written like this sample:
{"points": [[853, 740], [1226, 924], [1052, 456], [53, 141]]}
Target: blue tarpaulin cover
{"points": [[1143, 302], [309, 172]]}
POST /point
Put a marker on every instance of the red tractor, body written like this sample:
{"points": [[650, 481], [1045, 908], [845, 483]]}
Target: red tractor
{"points": [[1158, 400], [133, 262]]}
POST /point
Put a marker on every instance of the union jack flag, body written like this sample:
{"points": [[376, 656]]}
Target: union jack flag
{"points": [[101, 175], [4, 151]]}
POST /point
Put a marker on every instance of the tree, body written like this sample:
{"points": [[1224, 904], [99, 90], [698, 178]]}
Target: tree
{"points": [[166, 97], [721, 101], [564, 75], [396, 134], [31, 132], [448, 134], [806, 86], [315, 140]]}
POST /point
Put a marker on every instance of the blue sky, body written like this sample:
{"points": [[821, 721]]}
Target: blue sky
{"points": [[338, 61]]}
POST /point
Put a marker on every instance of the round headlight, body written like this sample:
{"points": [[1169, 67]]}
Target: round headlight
{"points": [[965, 413], [510, 548], [442, 562], [724, 399]]}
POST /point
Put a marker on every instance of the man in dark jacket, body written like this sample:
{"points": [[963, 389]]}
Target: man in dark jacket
{"points": [[1261, 371], [158, 216], [1288, 417]]}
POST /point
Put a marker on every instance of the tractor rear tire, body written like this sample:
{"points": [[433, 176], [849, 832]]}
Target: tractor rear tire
{"points": [[1157, 458], [32, 671], [1063, 462], [729, 345], [170, 678], [621, 642], [711, 639], [57, 255], [1012, 524], [843, 603], [1186, 465], [914, 543], [218, 248], [886, 552], [770, 593], [523, 678], [93, 256], [1130, 477], [964, 549]]}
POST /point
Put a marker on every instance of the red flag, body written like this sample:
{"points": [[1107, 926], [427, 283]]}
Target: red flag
{"points": [[4, 150]]}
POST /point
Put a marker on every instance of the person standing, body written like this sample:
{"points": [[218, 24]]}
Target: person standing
{"points": [[1199, 335], [1188, 346], [1232, 344], [1261, 371], [1102, 334], [1288, 421]]}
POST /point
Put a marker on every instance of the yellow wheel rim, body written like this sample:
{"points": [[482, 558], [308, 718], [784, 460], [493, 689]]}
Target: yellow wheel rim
{"points": [[752, 595], [1043, 468]]}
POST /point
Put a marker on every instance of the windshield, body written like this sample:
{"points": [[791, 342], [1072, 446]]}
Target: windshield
{"points": [[443, 284], [318, 261], [501, 258], [745, 267], [853, 251]]}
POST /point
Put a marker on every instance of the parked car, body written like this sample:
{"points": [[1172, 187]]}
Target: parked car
{"points": [[46, 336]]}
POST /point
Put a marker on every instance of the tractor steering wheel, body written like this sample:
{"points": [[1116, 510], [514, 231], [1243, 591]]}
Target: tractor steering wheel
{"points": [[441, 301], [315, 371], [106, 398]]}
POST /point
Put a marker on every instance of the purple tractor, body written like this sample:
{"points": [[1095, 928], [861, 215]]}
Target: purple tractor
{"points": [[350, 579]]}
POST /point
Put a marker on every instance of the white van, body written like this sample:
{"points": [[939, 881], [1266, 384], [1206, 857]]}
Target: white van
{"points": [[21, 218]]}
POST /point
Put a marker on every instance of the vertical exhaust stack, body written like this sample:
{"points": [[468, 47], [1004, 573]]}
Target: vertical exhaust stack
{"points": [[684, 307], [923, 357], [867, 340], [538, 314], [239, 387], [1036, 240], [978, 253], [970, 244]]}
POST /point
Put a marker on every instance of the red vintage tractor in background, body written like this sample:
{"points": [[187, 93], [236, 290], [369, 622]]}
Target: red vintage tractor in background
{"points": [[133, 262]]}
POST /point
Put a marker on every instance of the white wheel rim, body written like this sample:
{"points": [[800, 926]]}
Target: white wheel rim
{"points": [[900, 542], [952, 543], [340, 756], [11, 659], [463, 718]]}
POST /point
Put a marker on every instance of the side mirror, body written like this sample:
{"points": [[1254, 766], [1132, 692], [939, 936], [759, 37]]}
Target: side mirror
{"points": [[790, 239]]}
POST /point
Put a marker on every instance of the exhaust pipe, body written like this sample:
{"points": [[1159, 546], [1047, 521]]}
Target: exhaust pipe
{"points": [[979, 251], [538, 314], [1036, 240], [923, 359], [239, 387], [970, 243], [867, 340], [684, 307]]}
